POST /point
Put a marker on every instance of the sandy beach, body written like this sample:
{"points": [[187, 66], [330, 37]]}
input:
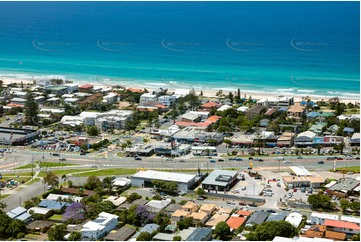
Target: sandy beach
{"points": [[210, 93]]}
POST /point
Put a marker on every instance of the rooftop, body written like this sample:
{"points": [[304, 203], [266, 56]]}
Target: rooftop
{"points": [[300, 171], [234, 222], [345, 185], [341, 224], [169, 176], [215, 219], [122, 234], [219, 177]]}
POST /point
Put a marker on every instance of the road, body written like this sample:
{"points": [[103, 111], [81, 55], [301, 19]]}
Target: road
{"points": [[17, 198]]}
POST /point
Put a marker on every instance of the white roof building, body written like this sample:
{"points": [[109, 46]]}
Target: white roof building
{"points": [[99, 227], [294, 218], [157, 205], [242, 109], [224, 108], [319, 218], [350, 219], [300, 171], [116, 200], [55, 197], [39, 210], [181, 92], [121, 182], [71, 120]]}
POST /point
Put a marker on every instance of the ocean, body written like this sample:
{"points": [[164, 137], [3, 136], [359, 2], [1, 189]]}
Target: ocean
{"points": [[305, 48]]}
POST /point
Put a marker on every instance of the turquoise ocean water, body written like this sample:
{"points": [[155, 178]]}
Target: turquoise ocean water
{"points": [[280, 47]]}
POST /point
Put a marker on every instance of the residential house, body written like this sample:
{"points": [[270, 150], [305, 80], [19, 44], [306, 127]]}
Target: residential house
{"points": [[244, 213], [21, 214], [167, 100], [147, 99], [257, 217], [235, 221], [39, 226], [178, 216], [224, 108], [255, 110], [171, 208], [355, 140], [215, 219], [72, 87], [127, 205], [336, 236], [116, 200], [319, 218], [276, 102], [155, 206], [190, 207], [149, 228], [98, 228], [296, 111], [294, 218], [333, 128], [208, 208], [210, 105], [110, 98], [350, 219], [242, 109], [270, 112], [45, 212], [276, 217], [184, 234], [264, 122], [200, 234], [122, 234], [190, 117], [51, 204], [86, 88], [57, 90], [199, 217], [71, 101], [342, 226]]}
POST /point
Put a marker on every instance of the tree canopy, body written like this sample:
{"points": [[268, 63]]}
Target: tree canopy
{"points": [[222, 230], [320, 201], [266, 231]]}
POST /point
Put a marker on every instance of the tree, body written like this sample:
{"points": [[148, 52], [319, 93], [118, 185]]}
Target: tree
{"points": [[185, 223], [143, 215], [266, 231], [93, 131], [356, 237], [51, 178], [162, 220], [16, 229], [355, 206], [144, 236], [200, 192], [92, 182], [222, 230], [344, 204], [57, 232], [107, 183], [320, 201], [5, 221], [31, 109], [177, 238], [74, 236], [132, 197], [3, 205], [32, 202], [74, 213], [230, 96]]}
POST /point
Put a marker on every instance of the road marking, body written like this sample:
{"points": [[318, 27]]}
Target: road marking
{"points": [[7, 165]]}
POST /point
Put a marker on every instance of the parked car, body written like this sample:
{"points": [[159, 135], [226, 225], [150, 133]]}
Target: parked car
{"points": [[271, 211], [232, 158], [287, 161], [62, 159], [303, 190], [239, 159], [242, 203], [321, 162], [258, 159], [55, 154], [182, 161], [252, 205], [137, 158], [169, 159], [212, 161], [220, 160], [244, 188], [299, 157]]}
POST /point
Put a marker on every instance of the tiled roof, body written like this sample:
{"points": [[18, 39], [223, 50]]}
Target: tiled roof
{"points": [[341, 224], [235, 222]]}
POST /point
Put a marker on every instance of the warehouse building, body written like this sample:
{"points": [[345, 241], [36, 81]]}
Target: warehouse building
{"points": [[144, 179], [220, 180], [14, 136]]}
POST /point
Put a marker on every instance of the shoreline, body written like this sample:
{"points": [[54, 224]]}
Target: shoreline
{"points": [[207, 92]]}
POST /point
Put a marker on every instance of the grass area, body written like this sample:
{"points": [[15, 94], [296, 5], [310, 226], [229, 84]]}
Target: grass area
{"points": [[65, 172], [120, 154], [14, 175], [32, 236], [354, 169], [33, 181], [57, 217], [55, 164], [4, 196], [28, 166], [110, 172]]}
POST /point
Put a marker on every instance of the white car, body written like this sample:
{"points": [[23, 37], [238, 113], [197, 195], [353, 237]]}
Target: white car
{"points": [[289, 195], [287, 161], [244, 188]]}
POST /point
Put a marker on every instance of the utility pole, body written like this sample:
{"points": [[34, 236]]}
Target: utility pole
{"points": [[32, 167]]}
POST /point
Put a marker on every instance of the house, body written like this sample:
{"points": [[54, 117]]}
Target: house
{"points": [[98, 228], [315, 231], [244, 213], [255, 110], [345, 185], [199, 217], [147, 99], [116, 200], [333, 128], [242, 109], [264, 122], [342, 226], [76, 191], [224, 108], [350, 219], [121, 182], [300, 239], [71, 101], [190, 117], [257, 217], [296, 111], [69, 198], [276, 217], [210, 105], [208, 208], [224, 211], [110, 98], [184, 234], [155, 206], [45, 212], [21, 214], [286, 139], [86, 88], [127, 205], [39, 226], [294, 218], [171, 208], [51, 204], [72, 87], [122, 234], [178, 216], [337, 236], [200, 234], [149, 228], [312, 115], [319, 218], [235, 221], [276, 102], [215, 219], [190, 207], [57, 90], [167, 100]]}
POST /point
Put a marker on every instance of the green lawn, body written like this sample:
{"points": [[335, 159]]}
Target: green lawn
{"points": [[55, 164], [110, 172], [33, 181], [28, 166], [4, 196], [65, 172], [57, 217], [20, 174], [354, 169]]}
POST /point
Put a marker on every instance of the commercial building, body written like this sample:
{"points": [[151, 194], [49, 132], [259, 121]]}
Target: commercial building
{"points": [[286, 139], [355, 139], [110, 98], [167, 100], [57, 90], [98, 228], [302, 178], [147, 99], [144, 179], [220, 180], [304, 139], [342, 226], [14, 136]]}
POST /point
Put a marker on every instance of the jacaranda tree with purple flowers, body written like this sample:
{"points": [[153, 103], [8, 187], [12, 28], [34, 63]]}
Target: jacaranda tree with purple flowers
{"points": [[74, 213], [143, 215]]}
